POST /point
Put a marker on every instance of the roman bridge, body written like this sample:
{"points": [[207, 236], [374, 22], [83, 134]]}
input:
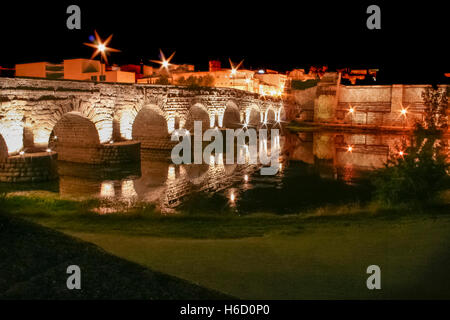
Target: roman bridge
{"points": [[105, 123]]}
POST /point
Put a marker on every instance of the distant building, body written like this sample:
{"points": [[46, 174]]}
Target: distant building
{"points": [[353, 74], [265, 82], [140, 71], [40, 70], [74, 69], [7, 72]]}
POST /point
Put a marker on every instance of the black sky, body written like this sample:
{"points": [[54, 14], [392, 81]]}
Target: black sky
{"points": [[281, 35]]}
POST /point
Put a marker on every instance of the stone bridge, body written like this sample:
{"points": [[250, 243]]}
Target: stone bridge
{"points": [[105, 123]]}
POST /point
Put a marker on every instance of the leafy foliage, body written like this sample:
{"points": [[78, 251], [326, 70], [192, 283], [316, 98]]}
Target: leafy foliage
{"points": [[416, 174], [164, 79], [195, 82], [436, 104]]}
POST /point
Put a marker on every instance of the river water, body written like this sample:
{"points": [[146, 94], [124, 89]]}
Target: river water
{"points": [[316, 169]]}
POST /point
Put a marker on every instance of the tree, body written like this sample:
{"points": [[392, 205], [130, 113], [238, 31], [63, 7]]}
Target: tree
{"points": [[418, 173], [163, 79], [436, 106]]}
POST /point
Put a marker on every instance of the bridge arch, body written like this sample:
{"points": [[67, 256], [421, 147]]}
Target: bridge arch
{"points": [[42, 128], [150, 128], [3, 149], [231, 116], [282, 114], [270, 116], [74, 130], [197, 112], [253, 115]]}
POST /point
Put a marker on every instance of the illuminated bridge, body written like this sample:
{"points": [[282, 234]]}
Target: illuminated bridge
{"points": [[103, 123]]}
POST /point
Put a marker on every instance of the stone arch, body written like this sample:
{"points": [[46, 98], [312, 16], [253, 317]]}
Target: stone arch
{"points": [[270, 115], [42, 129], [253, 115], [197, 112], [3, 149], [150, 128], [282, 113], [231, 116], [74, 130], [11, 129], [75, 138]]}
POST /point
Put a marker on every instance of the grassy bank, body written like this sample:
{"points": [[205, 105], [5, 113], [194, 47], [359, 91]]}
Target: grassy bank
{"points": [[321, 254], [34, 260]]}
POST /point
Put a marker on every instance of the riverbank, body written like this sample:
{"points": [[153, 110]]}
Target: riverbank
{"points": [[322, 254], [34, 261]]}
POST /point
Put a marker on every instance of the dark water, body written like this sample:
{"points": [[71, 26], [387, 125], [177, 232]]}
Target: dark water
{"points": [[316, 169]]}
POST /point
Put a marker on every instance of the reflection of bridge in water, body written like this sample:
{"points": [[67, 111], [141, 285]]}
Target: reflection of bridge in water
{"points": [[156, 180], [159, 181], [344, 155]]}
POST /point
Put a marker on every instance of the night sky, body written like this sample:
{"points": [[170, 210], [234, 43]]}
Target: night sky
{"points": [[281, 35]]}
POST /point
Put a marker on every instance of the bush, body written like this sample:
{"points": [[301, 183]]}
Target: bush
{"points": [[416, 177]]}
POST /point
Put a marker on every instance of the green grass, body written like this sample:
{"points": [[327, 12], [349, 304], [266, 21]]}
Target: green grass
{"points": [[34, 260], [320, 254]]}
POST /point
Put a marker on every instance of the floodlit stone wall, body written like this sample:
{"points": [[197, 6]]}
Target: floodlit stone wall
{"points": [[36, 168], [374, 105], [31, 108]]}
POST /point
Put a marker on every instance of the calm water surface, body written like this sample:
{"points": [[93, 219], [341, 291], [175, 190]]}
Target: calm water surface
{"points": [[316, 169]]}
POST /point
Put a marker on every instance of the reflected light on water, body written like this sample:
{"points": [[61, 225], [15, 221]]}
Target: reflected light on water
{"points": [[107, 190], [128, 191]]}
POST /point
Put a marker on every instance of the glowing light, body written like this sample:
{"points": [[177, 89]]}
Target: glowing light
{"points": [[101, 47], [22, 153], [49, 150], [261, 71], [246, 178], [247, 80], [403, 111], [234, 68], [232, 197], [351, 110], [171, 173], [165, 63], [11, 129], [128, 191], [187, 133], [212, 120], [171, 124], [107, 189], [55, 138], [281, 166], [111, 142], [401, 153], [349, 149]]}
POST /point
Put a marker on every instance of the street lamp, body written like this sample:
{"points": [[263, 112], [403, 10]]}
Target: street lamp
{"points": [[102, 49], [403, 113], [165, 63], [351, 111], [234, 69]]}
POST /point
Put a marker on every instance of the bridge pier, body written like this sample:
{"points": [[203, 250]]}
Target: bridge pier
{"points": [[33, 167], [104, 123]]}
